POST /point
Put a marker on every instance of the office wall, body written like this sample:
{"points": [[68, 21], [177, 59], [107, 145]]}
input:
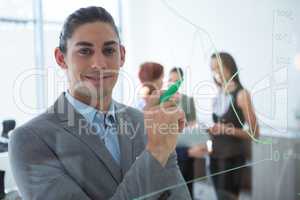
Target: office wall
{"points": [[263, 36]]}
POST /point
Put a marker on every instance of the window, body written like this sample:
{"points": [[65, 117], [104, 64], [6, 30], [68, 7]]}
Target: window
{"points": [[17, 59], [55, 12], [27, 88]]}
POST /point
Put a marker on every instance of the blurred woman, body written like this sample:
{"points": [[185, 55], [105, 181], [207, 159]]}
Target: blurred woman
{"points": [[151, 76], [232, 110]]}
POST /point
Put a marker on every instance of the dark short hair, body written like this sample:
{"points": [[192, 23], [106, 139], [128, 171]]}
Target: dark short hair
{"points": [[83, 16], [176, 70]]}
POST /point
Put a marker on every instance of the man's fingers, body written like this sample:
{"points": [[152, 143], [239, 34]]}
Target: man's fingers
{"points": [[168, 104], [181, 124], [176, 97], [181, 114], [153, 99], [166, 107]]}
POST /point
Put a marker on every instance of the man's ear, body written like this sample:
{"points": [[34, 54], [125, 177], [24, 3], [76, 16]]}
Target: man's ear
{"points": [[123, 53], [60, 58]]}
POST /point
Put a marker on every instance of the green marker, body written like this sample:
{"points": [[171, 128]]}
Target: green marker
{"points": [[170, 92]]}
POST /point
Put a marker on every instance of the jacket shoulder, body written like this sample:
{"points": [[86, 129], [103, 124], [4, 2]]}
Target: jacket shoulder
{"points": [[36, 126]]}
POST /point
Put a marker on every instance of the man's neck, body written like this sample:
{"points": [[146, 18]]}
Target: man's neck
{"points": [[100, 103]]}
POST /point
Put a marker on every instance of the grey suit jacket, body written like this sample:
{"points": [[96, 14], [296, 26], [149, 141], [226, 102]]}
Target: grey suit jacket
{"points": [[57, 156]]}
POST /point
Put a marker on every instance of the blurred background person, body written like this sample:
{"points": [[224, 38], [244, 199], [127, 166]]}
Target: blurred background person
{"points": [[151, 75], [185, 162], [232, 110], [186, 102]]}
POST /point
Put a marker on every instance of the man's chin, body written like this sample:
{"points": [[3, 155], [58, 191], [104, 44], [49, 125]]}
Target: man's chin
{"points": [[92, 92]]}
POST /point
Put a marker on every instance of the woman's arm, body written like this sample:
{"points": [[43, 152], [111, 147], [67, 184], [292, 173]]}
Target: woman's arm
{"points": [[245, 103]]}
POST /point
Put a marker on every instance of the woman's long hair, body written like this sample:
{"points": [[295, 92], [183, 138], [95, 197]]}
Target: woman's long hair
{"points": [[229, 63]]}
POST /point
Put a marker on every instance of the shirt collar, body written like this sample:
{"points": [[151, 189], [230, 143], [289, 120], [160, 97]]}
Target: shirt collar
{"points": [[89, 112]]}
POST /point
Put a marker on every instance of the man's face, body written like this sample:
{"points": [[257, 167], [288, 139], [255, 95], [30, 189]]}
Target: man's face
{"points": [[93, 59], [173, 77]]}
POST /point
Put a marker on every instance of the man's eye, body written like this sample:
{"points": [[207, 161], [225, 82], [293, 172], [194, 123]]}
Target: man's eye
{"points": [[109, 51], [85, 51]]}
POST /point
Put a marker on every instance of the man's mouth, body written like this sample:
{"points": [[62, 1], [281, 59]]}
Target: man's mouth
{"points": [[97, 77]]}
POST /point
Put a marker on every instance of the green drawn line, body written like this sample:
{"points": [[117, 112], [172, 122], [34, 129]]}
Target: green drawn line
{"points": [[199, 179], [175, 12], [251, 135], [226, 83]]}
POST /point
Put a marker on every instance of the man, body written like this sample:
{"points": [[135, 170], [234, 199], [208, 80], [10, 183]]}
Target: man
{"points": [[187, 103], [185, 162], [87, 146]]}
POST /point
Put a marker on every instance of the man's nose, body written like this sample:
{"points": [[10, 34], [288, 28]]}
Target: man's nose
{"points": [[99, 61]]}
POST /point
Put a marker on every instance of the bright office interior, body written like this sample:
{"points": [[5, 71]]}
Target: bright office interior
{"points": [[262, 36]]}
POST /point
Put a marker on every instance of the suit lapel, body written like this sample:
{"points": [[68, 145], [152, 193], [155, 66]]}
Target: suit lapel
{"points": [[76, 124], [125, 136]]}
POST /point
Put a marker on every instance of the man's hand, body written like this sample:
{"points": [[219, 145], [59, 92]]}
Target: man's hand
{"points": [[163, 123]]}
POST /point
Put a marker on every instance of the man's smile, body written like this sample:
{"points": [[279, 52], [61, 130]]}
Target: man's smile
{"points": [[97, 77]]}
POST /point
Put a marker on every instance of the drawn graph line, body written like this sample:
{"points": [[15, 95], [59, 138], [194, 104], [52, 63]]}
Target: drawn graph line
{"points": [[199, 179], [199, 29], [250, 132]]}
